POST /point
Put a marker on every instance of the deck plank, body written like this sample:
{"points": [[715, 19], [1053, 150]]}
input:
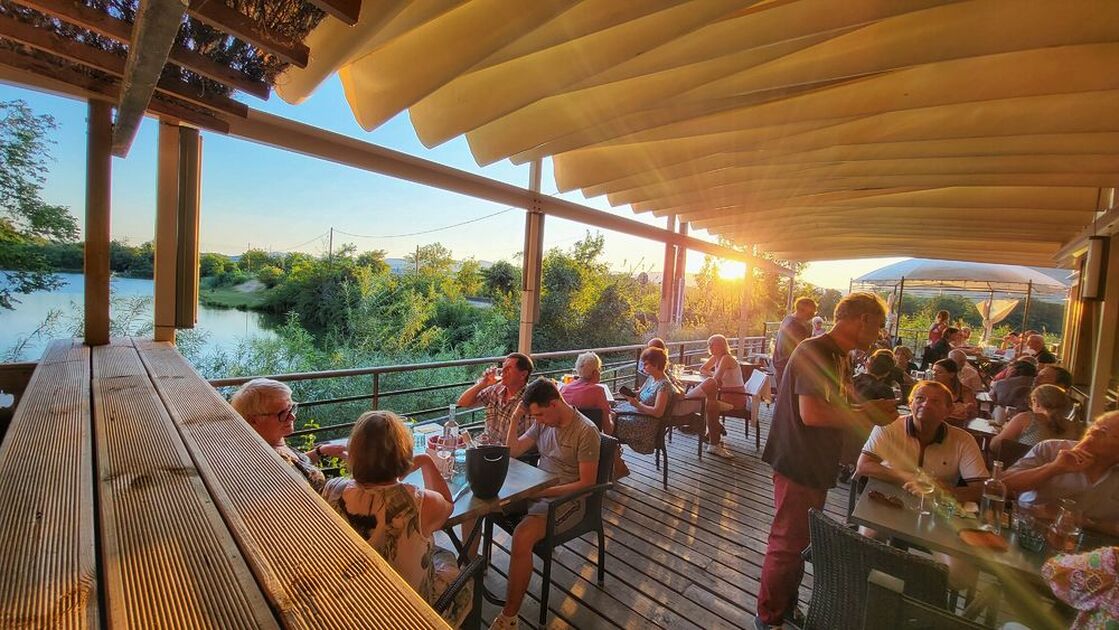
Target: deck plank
{"points": [[693, 553], [48, 571], [314, 569], [168, 559]]}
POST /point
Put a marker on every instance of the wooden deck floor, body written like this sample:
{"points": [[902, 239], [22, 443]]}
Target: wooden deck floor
{"points": [[690, 557]]}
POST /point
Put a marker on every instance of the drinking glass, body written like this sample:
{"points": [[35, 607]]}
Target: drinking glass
{"points": [[445, 459], [925, 490], [1065, 533], [1025, 526], [946, 506]]}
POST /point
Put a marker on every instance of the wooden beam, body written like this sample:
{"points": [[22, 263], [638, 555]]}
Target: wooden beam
{"points": [[105, 61], [37, 72], [347, 11], [79, 14], [533, 254], [166, 231], [190, 197], [1103, 359], [826, 234], [1106, 224], [224, 18], [98, 202], [157, 23]]}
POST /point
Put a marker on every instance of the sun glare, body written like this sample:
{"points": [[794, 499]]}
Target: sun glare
{"points": [[732, 270]]}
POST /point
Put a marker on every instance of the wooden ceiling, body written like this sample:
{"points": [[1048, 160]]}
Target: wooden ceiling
{"points": [[814, 129], [140, 65]]}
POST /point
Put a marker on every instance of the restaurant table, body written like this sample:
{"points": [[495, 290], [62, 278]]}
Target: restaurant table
{"points": [[936, 533], [985, 403], [983, 430]]}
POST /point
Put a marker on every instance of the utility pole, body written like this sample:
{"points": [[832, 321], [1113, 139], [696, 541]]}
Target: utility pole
{"points": [[330, 247]]}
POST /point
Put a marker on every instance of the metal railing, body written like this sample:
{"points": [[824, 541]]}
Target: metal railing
{"points": [[619, 364]]}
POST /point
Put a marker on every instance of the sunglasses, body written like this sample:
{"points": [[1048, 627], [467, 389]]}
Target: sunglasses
{"points": [[284, 413]]}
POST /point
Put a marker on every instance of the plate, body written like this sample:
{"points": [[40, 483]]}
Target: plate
{"points": [[984, 538]]}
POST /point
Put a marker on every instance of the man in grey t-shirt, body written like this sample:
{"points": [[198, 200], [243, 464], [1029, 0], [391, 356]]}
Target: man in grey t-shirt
{"points": [[568, 443]]}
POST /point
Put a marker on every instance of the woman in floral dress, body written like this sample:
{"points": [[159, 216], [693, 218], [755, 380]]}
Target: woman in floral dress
{"points": [[396, 518]]}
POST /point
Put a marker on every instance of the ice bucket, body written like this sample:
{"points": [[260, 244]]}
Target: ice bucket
{"points": [[486, 467]]}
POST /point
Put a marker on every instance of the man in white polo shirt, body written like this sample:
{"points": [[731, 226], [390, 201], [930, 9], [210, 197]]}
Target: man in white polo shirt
{"points": [[924, 441]]}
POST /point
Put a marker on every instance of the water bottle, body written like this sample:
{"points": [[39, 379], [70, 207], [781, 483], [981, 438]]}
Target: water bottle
{"points": [[449, 442], [994, 501]]}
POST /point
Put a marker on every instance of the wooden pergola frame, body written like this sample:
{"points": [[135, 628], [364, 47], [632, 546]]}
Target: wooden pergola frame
{"points": [[751, 213]]}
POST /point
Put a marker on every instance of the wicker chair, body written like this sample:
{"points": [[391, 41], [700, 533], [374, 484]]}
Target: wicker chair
{"points": [[887, 606], [1008, 453], [592, 522], [842, 559]]}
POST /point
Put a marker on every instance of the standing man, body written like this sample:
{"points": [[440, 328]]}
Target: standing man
{"points": [[794, 329], [502, 399], [812, 419]]}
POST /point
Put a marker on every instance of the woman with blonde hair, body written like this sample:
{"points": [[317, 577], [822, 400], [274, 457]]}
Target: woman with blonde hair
{"points": [[723, 388], [398, 519], [1045, 420]]}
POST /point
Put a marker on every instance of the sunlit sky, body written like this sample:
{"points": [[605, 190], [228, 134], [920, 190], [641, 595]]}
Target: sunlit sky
{"points": [[263, 197]]}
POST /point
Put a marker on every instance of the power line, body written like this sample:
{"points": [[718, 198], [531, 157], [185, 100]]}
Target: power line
{"points": [[308, 241], [438, 229]]}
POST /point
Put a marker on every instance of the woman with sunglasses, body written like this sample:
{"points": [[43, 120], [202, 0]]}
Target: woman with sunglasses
{"points": [[267, 406]]}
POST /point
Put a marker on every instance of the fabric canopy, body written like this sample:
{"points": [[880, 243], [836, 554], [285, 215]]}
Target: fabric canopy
{"points": [[813, 129], [923, 274], [994, 311]]}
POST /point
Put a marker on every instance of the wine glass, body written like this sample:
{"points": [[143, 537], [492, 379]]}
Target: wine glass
{"points": [[924, 488]]}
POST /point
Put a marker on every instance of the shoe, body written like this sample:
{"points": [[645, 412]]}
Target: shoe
{"points": [[761, 625], [501, 622], [721, 450]]}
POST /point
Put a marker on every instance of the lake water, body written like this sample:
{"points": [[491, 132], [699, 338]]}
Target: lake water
{"points": [[224, 326]]}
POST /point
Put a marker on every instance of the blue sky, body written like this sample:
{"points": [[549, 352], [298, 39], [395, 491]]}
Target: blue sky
{"points": [[272, 199]]}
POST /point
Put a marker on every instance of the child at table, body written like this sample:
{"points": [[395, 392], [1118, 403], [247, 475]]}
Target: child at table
{"points": [[398, 519]]}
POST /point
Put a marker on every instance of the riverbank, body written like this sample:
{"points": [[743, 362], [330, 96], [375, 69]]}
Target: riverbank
{"points": [[251, 296]]}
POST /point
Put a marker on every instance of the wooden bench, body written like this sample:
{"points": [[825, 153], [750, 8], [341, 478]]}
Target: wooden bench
{"points": [[191, 520], [48, 570], [167, 558], [314, 569]]}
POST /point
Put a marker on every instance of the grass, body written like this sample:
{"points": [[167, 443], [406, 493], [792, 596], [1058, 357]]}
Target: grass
{"points": [[229, 297]]}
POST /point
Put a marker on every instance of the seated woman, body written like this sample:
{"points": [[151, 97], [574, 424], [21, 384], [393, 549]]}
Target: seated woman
{"points": [[398, 519], [1045, 420], [902, 374], [586, 392], [723, 388], [964, 405], [636, 422], [267, 406], [818, 327], [876, 383]]}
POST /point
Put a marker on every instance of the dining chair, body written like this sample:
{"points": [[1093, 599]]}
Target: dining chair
{"points": [[594, 414], [842, 559], [687, 414], [1009, 452], [591, 522], [889, 606]]}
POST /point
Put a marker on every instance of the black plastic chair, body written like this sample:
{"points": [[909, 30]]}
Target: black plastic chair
{"points": [[683, 413], [888, 606], [472, 573], [594, 414], [591, 522], [842, 559]]}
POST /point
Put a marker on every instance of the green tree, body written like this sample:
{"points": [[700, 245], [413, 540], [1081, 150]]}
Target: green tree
{"points": [[270, 275], [432, 260], [374, 259], [502, 278], [210, 264], [469, 277], [25, 219], [253, 260]]}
